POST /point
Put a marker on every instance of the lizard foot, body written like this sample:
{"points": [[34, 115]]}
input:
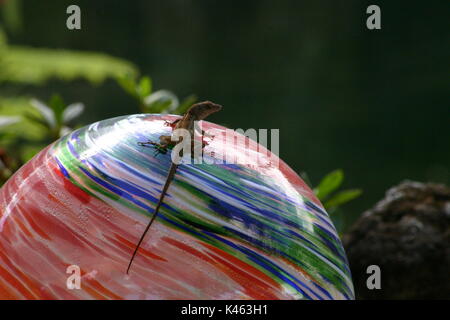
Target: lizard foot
{"points": [[145, 144], [159, 148]]}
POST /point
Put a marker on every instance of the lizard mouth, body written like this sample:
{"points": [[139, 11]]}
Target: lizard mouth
{"points": [[207, 108], [215, 107]]}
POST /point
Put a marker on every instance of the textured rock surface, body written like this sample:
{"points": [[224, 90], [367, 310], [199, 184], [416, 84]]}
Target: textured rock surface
{"points": [[407, 234]]}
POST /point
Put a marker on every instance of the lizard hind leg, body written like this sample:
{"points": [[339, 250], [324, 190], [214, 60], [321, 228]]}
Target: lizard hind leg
{"points": [[147, 143], [159, 148], [165, 141]]}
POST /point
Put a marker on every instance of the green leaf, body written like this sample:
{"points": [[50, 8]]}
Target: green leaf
{"points": [[26, 129], [6, 121], [27, 65], [57, 105], [35, 119], [330, 183], [161, 101], [145, 87], [46, 112], [72, 111], [185, 104], [342, 197], [128, 83], [158, 106]]}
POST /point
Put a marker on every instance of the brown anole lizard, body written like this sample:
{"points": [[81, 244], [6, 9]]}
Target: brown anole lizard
{"points": [[197, 112]]}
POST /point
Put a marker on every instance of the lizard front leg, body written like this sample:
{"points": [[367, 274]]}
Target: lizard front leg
{"points": [[171, 124]]}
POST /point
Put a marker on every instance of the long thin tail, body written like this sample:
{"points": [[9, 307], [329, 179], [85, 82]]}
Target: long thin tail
{"points": [[169, 178]]}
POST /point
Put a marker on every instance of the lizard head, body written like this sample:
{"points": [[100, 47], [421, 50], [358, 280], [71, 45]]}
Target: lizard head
{"points": [[203, 109]]}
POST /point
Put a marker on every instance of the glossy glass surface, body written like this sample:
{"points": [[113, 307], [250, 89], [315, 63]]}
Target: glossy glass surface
{"points": [[225, 231]]}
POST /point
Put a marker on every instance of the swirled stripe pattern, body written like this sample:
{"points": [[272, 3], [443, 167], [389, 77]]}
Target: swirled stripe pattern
{"points": [[224, 231]]}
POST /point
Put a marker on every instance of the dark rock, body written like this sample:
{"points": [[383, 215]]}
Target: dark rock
{"points": [[407, 234]]}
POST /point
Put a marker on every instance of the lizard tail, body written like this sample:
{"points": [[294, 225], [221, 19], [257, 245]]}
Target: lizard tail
{"points": [[172, 170]]}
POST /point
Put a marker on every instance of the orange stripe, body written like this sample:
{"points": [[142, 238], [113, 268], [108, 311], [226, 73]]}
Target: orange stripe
{"points": [[16, 284], [102, 289], [189, 249], [22, 226], [28, 214], [5, 294], [94, 293], [142, 251], [254, 287], [243, 265]]}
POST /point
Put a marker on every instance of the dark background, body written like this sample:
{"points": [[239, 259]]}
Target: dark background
{"points": [[374, 103]]}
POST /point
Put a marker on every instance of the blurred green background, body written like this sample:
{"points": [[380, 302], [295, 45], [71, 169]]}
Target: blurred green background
{"points": [[374, 103]]}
